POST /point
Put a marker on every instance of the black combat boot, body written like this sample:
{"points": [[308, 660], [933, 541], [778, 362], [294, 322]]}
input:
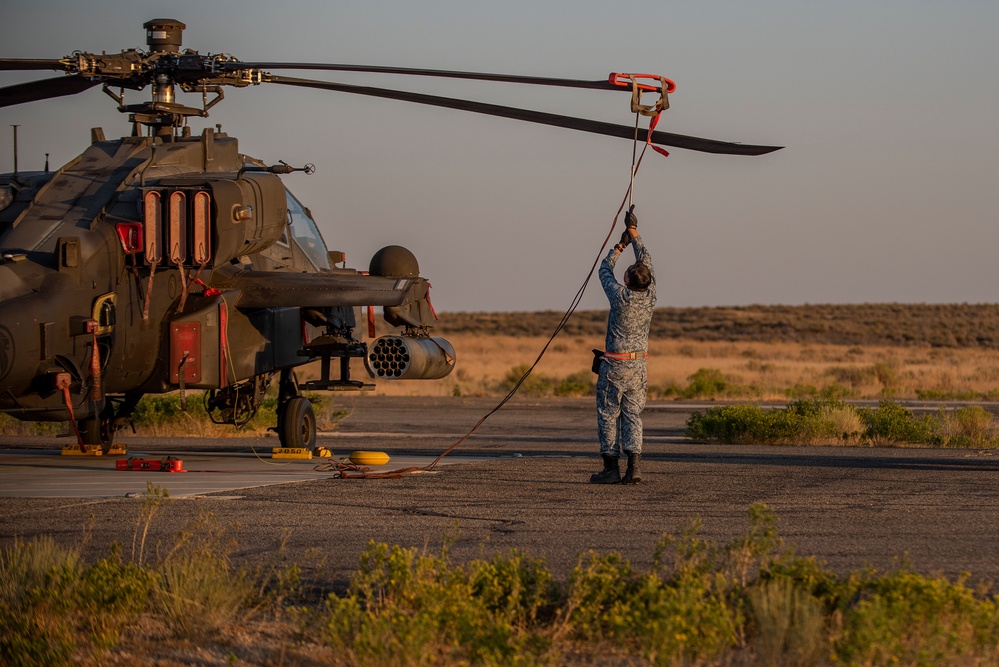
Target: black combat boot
{"points": [[631, 475], [611, 474]]}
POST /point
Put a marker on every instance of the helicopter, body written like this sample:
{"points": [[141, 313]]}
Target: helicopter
{"points": [[169, 261]]}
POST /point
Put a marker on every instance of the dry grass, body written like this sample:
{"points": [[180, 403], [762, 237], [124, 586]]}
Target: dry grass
{"points": [[772, 370]]}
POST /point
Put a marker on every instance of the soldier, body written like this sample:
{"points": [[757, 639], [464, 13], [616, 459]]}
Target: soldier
{"points": [[622, 377]]}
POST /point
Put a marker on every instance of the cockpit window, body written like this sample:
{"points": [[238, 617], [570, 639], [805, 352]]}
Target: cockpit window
{"points": [[305, 234]]}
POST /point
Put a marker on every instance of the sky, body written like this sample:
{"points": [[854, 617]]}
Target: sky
{"points": [[887, 189]]}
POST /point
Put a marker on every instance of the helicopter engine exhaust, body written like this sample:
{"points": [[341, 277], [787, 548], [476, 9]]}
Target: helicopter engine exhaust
{"points": [[408, 358]]}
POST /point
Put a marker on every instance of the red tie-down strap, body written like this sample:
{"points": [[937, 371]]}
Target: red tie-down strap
{"points": [[206, 290], [659, 149], [371, 322], [432, 311], [62, 383], [95, 362]]}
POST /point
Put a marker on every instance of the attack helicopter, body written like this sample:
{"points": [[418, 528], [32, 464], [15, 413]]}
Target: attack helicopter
{"points": [[165, 261]]}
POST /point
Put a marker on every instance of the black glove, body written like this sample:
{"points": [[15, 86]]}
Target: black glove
{"points": [[625, 238], [630, 220]]}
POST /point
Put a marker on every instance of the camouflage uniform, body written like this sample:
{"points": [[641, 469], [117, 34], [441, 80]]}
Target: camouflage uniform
{"points": [[621, 385]]}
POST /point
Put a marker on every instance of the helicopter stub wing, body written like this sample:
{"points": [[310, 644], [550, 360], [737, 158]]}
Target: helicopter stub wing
{"points": [[267, 289]]}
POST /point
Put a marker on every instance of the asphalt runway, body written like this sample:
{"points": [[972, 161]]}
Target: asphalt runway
{"points": [[521, 482]]}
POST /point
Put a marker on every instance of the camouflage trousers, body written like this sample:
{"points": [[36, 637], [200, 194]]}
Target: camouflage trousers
{"points": [[621, 392]]}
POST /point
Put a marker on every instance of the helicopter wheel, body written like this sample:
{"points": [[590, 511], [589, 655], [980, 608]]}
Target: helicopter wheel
{"points": [[298, 424], [97, 431]]}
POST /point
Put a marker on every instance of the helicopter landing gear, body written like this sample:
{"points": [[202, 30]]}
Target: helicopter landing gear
{"points": [[238, 403], [103, 429], [296, 425], [96, 431]]}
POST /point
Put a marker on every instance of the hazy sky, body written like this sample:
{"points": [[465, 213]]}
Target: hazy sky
{"points": [[887, 190]]}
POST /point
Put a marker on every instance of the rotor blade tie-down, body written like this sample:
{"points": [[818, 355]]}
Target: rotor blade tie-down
{"points": [[652, 110]]}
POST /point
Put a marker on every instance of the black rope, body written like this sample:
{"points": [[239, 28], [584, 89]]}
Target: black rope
{"points": [[561, 325]]}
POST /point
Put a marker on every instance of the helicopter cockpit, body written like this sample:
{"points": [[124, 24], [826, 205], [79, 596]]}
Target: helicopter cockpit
{"points": [[302, 228]]}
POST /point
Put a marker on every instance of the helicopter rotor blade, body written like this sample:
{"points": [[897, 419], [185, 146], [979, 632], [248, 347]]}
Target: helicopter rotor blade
{"points": [[544, 118], [601, 84], [30, 64], [44, 89]]}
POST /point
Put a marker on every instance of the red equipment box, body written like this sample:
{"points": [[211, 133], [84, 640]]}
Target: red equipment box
{"points": [[150, 465]]}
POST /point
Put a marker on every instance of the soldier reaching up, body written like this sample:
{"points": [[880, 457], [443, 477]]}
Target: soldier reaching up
{"points": [[622, 379]]}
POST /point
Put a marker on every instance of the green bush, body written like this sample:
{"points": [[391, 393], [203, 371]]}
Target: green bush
{"points": [[406, 608], [582, 383], [803, 422], [747, 601], [906, 618], [893, 424], [829, 421], [53, 608]]}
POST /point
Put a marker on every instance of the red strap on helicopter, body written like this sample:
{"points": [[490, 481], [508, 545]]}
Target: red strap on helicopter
{"points": [[371, 322], [206, 290], [62, 382], [149, 292], [223, 342], [432, 311], [95, 364]]}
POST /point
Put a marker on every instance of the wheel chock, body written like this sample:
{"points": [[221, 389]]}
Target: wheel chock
{"points": [[322, 453], [116, 450], [82, 450], [291, 453]]}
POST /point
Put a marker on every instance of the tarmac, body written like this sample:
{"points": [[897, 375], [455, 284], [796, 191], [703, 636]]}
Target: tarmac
{"points": [[521, 482]]}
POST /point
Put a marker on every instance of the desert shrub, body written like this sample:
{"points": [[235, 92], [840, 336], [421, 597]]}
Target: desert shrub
{"points": [[970, 426], [690, 609], [892, 424], [405, 608], [198, 591], [805, 421], [582, 383], [199, 594], [53, 609], [851, 376], [788, 623], [705, 383], [907, 618], [532, 385]]}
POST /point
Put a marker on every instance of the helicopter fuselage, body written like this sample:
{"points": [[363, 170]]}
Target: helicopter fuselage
{"points": [[148, 265]]}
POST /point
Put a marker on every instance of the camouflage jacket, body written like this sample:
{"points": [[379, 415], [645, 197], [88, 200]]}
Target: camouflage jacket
{"points": [[630, 312]]}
